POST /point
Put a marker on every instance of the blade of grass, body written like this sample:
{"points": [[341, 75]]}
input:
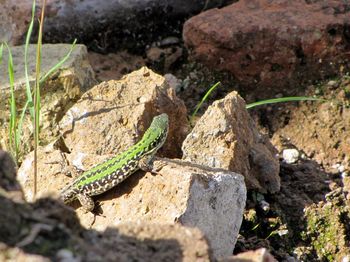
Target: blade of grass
{"points": [[211, 89], [28, 89], [1, 49], [12, 130], [59, 64], [37, 96], [283, 99]]}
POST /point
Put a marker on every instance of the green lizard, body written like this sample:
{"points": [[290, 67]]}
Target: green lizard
{"points": [[111, 172]]}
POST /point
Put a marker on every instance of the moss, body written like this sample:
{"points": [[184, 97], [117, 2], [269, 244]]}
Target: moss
{"points": [[326, 230], [347, 91]]}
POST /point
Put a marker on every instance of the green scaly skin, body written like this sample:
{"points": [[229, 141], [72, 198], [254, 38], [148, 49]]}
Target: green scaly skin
{"points": [[111, 172]]}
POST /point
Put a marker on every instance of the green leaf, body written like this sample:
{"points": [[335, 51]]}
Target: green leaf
{"points": [[59, 64], [283, 99], [28, 89], [12, 131], [1, 49], [211, 89]]}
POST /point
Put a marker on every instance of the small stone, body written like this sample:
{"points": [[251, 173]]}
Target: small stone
{"points": [[333, 83], [173, 82], [290, 156], [65, 255], [264, 206]]}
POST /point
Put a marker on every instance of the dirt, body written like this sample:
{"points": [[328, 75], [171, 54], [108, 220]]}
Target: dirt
{"points": [[308, 219]]}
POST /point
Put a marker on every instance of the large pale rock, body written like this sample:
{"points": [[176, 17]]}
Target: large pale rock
{"points": [[273, 44], [28, 227], [113, 115], [226, 137], [210, 199], [58, 93]]}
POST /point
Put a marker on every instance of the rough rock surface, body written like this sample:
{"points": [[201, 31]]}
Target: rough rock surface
{"points": [[104, 24], [49, 231], [106, 120], [273, 44], [113, 115], [58, 93], [226, 137], [209, 199], [14, 20]]}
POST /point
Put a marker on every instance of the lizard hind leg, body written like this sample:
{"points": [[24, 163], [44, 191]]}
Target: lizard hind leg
{"points": [[87, 202], [146, 163]]}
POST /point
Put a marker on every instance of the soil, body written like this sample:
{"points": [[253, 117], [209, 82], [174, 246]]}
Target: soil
{"points": [[309, 219]]}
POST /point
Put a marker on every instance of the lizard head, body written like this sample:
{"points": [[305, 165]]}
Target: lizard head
{"points": [[159, 130]]}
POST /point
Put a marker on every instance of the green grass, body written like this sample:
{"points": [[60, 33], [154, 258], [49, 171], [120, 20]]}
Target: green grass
{"points": [[206, 95], [13, 132], [282, 100], [33, 99], [255, 104]]}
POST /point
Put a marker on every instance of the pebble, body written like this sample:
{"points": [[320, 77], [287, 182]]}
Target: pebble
{"points": [[333, 84], [290, 156], [264, 205]]}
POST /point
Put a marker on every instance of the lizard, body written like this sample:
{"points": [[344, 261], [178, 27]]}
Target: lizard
{"points": [[113, 171]]}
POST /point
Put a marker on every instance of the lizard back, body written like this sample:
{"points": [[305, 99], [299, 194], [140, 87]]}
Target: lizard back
{"points": [[111, 172]]}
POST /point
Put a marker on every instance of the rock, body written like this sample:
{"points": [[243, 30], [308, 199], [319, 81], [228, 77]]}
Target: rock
{"points": [[156, 242], [59, 92], [226, 137], [103, 121], [259, 255], [49, 231], [8, 172], [209, 199], [290, 155], [272, 44], [14, 20], [11, 254], [106, 24], [114, 115], [174, 82]]}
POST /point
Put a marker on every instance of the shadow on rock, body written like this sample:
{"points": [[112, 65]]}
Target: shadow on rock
{"points": [[48, 230]]}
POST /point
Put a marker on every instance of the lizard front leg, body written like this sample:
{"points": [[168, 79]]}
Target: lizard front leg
{"points": [[86, 202]]}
